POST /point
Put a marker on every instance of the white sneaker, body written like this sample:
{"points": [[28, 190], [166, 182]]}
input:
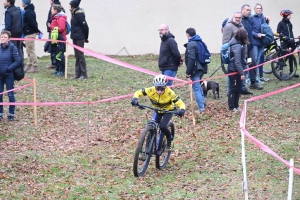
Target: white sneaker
{"points": [[264, 79], [239, 109]]}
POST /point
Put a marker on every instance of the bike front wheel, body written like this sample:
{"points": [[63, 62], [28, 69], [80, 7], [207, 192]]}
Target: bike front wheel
{"points": [[163, 155], [284, 69], [267, 68], [143, 152]]}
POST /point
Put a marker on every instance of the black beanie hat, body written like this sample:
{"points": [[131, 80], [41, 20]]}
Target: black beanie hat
{"points": [[56, 1], [75, 3]]}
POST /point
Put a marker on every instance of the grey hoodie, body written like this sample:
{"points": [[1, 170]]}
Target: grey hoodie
{"points": [[229, 30], [237, 64]]}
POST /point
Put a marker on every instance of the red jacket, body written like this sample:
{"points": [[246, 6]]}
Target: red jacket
{"points": [[60, 20]]}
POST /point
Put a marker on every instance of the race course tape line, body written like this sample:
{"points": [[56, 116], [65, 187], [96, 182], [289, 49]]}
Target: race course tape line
{"points": [[117, 62], [258, 143]]}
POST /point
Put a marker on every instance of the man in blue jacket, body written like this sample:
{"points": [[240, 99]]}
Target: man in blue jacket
{"points": [[195, 70], [169, 57], [246, 20]]}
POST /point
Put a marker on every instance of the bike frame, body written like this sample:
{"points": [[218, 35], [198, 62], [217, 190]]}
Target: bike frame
{"points": [[154, 124]]}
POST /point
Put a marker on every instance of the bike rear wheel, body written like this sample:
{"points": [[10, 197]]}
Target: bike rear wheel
{"points": [[287, 72], [163, 155], [143, 152]]}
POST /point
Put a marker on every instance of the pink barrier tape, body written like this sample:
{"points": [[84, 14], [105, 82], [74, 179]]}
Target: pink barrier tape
{"points": [[118, 62], [65, 103], [258, 143], [266, 149], [273, 93], [136, 68], [18, 88]]}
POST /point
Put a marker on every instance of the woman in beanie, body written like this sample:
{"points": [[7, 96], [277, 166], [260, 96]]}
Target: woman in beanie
{"points": [[79, 35], [58, 26]]}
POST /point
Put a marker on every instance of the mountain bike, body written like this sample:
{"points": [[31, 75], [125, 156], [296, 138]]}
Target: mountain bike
{"points": [[152, 142], [284, 68]]}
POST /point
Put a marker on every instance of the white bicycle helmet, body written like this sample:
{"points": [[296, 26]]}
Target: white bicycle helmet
{"points": [[160, 81]]}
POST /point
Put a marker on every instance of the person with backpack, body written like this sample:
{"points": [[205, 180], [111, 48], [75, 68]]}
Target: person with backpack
{"points": [[58, 32], [285, 31], [13, 24], [194, 69], [49, 20], [79, 35], [9, 61], [13, 21], [258, 47], [169, 56], [237, 64], [230, 28]]}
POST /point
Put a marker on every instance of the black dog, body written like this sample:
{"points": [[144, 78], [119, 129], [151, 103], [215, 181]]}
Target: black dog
{"points": [[210, 85]]}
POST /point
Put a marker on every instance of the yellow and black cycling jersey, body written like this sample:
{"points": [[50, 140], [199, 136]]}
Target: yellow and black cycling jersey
{"points": [[166, 101]]}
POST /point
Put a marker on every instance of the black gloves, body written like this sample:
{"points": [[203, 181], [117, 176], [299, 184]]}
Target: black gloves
{"points": [[134, 101], [181, 112]]}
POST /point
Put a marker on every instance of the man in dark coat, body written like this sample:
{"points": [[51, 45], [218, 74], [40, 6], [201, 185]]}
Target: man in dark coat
{"points": [[79, 35], [30, 30], [169, 57], [13, 24]]}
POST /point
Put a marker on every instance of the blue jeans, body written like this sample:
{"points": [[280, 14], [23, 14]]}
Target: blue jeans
{"points": [[9, 82], [171, 73], [258, 50], [198, 92], [261, 68]]}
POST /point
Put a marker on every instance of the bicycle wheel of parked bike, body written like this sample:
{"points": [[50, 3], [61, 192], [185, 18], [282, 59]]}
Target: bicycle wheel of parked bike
{"points": [[163, 156], [267, 68], [288, 65], [143, 152]]}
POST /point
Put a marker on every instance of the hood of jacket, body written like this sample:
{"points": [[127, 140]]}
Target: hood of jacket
{"points": [[235, 24], [195, 38], [165, 37], [61, 14], [77, 11], [234, 41], [29, 7]]}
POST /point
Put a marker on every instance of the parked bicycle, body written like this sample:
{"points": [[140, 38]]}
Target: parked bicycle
{"points": [[284, 68], [152, 142]]}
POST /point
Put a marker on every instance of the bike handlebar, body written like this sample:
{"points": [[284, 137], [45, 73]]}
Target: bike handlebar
{"points": [[142, 106]]}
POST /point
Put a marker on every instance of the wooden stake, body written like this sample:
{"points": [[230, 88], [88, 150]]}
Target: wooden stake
{"points": [[87, 128], [34, 100], [66, 59], [192, 104]]}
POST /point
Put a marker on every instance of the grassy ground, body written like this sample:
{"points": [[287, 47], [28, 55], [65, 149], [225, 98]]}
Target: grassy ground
{"points": [[49, 161]]}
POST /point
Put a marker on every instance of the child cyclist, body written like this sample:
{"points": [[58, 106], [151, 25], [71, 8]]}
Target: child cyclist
{"points": [[162, 97]]}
